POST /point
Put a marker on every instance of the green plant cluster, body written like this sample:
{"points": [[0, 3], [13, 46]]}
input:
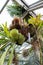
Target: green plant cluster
{"points": [[15, 9], [9, 39]]}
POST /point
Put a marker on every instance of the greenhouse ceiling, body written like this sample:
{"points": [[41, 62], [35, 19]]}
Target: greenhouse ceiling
{"points": [[32, 6]]}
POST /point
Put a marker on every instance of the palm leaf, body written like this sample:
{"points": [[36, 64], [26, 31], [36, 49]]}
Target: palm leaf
{"points": [[40, 26], [11, 56], [3, 40], [1, 29], [2, 46], [3, 56], [2, 33], [6, 29]]}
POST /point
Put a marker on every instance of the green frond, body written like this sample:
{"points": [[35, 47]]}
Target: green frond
{"points": [[3, 56], [6, 30]]}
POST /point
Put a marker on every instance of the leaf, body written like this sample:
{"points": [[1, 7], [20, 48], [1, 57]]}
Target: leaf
{"points": [[15, 10], [3, 40], [2, 34], [32, 21], [2, 46], [36, 21], [11, 56], [40, 26], [1, 29], [3, 56], [3, 37], [6, 30]]}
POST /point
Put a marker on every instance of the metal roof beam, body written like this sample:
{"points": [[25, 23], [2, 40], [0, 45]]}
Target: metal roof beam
{"points": [[33, 6], [4, 6]]}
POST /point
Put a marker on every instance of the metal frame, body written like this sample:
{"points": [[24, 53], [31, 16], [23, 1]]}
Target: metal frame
{"points": [[4, 6], [25, 6], [34, 6], [29, 9]]}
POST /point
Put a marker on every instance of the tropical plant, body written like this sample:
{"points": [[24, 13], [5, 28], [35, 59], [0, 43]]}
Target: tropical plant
{"points": [[38, 26], [15, 9], [8, 40]]}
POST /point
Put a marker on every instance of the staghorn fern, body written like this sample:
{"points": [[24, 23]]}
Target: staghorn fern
{"points": [[15, 10]]}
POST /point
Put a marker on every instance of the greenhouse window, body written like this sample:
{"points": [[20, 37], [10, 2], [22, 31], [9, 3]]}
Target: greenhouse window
{"points": [[29, 2], [3, 4], [4, 15], [39, 11]]}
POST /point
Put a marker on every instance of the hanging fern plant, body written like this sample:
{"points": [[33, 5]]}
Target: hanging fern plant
{"points": [[15, 9]]}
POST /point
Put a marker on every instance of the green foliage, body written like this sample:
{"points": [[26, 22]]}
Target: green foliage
{"points": [[1, 29], [15, 9], [6, 29], [3, 40], [21, 39], [2, 33], [6, 37], [36, 21], [11, 36], [37, 24], [11, 56], [14, 34], [3, 56]]}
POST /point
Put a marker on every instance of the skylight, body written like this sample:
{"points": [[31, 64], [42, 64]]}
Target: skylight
{"points": [[39, 11], [2, 3], [29, 2], [4, 16]]}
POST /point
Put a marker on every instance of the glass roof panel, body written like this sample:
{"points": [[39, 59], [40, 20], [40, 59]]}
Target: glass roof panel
{"points": [[5, 17], [29, 2], [39, 11], [2, 3]]}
